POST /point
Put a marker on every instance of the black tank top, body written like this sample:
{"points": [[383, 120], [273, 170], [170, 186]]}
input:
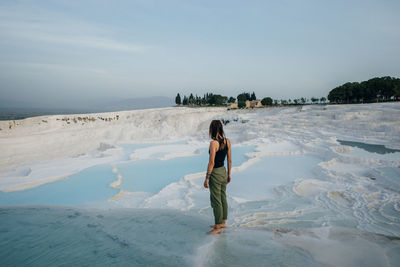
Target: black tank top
{"points": [[220, 156]]}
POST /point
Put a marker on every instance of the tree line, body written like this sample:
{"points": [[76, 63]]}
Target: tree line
{"points": [[210, 99], [373, 90], [268, 101]]}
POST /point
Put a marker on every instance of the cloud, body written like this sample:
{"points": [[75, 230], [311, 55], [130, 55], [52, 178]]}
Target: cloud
{"points": [[19, 25], [50, 67], [77, 40]]}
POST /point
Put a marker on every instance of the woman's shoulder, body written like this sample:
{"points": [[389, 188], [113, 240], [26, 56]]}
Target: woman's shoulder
{"points": [[214, 143]]}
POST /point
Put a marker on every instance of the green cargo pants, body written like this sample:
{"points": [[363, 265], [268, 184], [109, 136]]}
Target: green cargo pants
{"points": [[217, 186]]}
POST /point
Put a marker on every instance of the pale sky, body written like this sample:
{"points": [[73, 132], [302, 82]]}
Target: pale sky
{"points": [[58, 51]]}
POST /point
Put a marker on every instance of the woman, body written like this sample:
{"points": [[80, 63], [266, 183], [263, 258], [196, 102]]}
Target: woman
{"points": [[216, 177]]}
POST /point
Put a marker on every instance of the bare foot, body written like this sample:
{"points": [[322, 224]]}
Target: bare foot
{"points": [[214, 231], [221, 226]]}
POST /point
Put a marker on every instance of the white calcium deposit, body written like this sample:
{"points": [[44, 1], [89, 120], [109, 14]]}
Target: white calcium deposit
{"points": [[296, 190]]}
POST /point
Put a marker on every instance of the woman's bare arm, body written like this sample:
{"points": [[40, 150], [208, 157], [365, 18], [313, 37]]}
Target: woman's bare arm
{"points": [[213, 149], [229, 158]]}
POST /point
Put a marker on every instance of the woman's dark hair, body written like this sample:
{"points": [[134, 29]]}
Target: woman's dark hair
{"points": [[217, 133]]}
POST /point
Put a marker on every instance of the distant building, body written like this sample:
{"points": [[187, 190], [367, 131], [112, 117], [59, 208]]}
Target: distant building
{"points": [[253, 104], [234, 105], [249, 104]]}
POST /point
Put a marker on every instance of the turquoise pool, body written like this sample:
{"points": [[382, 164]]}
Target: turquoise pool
{"points": [[92, 185]]}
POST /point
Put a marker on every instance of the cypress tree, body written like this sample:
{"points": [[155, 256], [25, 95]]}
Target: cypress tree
{"points": [[178, 99]]}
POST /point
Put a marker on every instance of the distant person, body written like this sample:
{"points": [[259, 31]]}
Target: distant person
{"points": [[217, 177]]}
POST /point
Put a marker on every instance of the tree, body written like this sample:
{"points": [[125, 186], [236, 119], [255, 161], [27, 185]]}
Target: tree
{"points": [[374, 89], [323, 99], [191, 99], [197, 100], [314, 100], [303, 100], [231, 100], [253, 96], [185, 100], [241, 104], [396, 90], [266, 101], [242, 97], [178, 99], [217, 100]]}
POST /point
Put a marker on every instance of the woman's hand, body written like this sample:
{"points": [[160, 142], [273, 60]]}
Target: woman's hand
{"points": [[229, 179], [206, 183]]}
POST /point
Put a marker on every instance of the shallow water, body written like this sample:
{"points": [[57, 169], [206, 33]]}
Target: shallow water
{"points": [[58, 236], [153, 175], [380, 149], [259, 180], [61, 236], [92, 185], [249, 247]]}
